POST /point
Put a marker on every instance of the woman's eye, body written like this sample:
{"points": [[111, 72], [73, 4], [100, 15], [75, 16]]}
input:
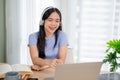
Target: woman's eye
{"points": [[57, 21], [49, 19]]}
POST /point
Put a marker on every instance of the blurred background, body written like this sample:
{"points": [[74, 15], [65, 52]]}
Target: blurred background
{"points": [[89, 24]]}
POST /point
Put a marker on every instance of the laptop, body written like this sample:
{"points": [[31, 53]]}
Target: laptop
{"points": [[77, 71]]}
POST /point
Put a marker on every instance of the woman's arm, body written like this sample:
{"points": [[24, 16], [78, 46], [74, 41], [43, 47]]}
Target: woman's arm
{"points": [[62, 54], [40, 63], [35, 57]]}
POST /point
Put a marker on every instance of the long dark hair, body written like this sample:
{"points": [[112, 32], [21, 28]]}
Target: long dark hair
{"points": [[41, 36]]}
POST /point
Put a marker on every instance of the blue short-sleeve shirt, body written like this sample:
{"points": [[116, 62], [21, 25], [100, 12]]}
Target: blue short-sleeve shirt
{"points": [[50, 51]]}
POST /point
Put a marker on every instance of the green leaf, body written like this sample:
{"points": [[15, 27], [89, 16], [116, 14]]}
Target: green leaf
{"points": [[112, 51]]}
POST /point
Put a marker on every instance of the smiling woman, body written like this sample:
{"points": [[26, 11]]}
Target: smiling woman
{"points": [[48, 47]]}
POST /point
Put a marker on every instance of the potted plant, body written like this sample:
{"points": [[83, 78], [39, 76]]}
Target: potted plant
{"points": [[112, 57], [113, 54]]}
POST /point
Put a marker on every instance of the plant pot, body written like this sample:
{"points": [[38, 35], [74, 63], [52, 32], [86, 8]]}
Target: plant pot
{"points": [[109, 76]]}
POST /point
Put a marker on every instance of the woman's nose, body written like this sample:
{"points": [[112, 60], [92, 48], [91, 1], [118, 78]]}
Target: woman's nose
{"points": [[53, 22]]}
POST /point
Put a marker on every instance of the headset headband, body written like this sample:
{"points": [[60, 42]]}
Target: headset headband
{"points": [[42, 21], [45, 11]]}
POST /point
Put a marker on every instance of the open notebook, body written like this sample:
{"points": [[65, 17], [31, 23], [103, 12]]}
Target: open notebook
{"points": [[77, 71], [21, 68]]}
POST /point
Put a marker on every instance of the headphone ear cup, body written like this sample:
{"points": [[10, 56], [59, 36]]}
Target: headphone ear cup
{"points": [[41, 22]]}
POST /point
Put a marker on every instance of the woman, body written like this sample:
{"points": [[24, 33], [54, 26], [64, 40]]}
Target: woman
{"points": [[48, 47]]}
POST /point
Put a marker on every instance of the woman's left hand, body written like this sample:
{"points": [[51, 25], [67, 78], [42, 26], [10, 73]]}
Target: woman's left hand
{"points": [[59, 61], [38, 68]]}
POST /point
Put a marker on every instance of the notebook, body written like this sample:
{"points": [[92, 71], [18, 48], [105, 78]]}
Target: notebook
{"points": [[77, 71]]}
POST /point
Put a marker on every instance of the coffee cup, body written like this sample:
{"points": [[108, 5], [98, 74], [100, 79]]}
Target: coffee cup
{"points": [[13, 75]]}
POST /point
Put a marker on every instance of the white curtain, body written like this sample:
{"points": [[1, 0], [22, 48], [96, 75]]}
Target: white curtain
{"points": [[15, 28]]}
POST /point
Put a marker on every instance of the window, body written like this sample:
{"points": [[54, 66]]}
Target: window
{"points": [[96, 22], [95, 27]]}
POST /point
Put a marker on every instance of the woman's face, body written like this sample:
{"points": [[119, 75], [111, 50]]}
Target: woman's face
{"points": [[52, 23]]}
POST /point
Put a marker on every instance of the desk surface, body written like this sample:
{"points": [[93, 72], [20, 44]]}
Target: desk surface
{"points": [[41, 75], [50, 72]]}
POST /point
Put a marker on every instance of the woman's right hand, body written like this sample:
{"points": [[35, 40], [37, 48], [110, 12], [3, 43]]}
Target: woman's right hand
{"points": [[35, 67]]}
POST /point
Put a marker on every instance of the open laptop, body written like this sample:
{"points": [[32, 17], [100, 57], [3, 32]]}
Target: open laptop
{"points": [[77, 71]]}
